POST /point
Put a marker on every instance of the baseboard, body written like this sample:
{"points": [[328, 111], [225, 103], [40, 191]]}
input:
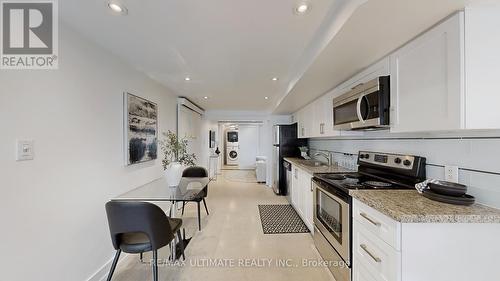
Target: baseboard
{"points": [[102, 273]]}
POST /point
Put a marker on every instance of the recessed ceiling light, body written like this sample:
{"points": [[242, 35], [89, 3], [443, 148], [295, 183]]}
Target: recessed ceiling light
{"points": [[205, 97], [187, 79], [302, 9], [275, 79], [117, 8], [266, 98]]}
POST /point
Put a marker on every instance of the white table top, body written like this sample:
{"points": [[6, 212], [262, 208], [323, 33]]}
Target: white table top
{"points": [[158, 190]]}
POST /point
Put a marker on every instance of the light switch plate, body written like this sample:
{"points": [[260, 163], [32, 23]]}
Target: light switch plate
{"points": [[451, 173], [25, 150]]}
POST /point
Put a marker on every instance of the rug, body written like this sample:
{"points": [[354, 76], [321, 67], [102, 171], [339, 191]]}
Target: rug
{"points": [[278, 219]]}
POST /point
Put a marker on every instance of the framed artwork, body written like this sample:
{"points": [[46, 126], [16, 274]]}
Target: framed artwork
{"points": [[141, 129]]}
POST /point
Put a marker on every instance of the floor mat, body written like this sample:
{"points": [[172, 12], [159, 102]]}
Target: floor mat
{"points": [[277, 219]]}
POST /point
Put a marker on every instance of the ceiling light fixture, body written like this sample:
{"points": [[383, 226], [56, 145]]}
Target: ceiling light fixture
{"points": [[266, 98], [117, 8], [205, 97], [275, 79], [302, 9], [187, 79]]}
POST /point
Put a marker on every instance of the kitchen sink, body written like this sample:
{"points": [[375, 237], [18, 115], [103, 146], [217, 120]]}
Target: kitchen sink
{"points": [[313, 163]]}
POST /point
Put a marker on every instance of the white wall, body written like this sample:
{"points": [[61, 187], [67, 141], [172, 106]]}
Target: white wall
{"points": [[266, 140], [477, 158], [54, 225]]}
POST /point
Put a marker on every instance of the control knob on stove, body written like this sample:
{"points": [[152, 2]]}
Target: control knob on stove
{"points": [[407, 162], [397, 160], [367, 156]]}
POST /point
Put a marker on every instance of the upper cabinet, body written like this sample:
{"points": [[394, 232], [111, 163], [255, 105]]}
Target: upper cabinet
{"points": [[447, 79], [427, 82], [482, 62], [444, 80]]}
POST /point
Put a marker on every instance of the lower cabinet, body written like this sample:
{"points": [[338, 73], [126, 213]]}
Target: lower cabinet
{"points": [[386, 250], [360, 273], [302, 195]]}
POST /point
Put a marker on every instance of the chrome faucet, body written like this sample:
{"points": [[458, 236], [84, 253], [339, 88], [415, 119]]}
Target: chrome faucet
{"points": [[325, 155]]}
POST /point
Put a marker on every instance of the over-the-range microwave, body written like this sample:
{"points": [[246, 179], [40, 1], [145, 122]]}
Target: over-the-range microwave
{"points": [[364, 107]]}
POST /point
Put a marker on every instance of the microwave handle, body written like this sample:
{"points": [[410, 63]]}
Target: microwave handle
{"points": [[358, 109]]}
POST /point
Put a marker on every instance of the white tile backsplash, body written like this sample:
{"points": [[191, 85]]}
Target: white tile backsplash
{"points": [[469, 154]]}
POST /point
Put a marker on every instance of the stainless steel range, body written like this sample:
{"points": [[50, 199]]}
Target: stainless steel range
{"points": [[332, 202]]}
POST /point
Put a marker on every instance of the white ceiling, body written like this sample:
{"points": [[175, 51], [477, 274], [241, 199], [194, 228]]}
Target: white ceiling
{"points": [[230, 49]]}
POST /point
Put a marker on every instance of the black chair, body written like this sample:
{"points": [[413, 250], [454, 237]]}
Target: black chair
{"points": [[197, 172], [138, 227]]}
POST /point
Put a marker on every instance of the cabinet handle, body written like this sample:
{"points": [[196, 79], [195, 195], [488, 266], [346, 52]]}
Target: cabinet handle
{"points": [[375, 223], [375, 258]]}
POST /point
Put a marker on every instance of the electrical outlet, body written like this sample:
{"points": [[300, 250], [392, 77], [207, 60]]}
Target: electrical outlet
{"points": [[25, 150], [451, 173]]}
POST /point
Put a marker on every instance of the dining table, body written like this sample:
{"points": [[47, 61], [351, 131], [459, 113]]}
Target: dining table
{"points": [[159, 190]]}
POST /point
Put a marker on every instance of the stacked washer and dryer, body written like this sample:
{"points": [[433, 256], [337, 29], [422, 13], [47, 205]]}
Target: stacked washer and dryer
{"points": [[232, 148]]}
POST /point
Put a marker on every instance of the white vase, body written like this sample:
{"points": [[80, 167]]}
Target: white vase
{"points": [[173, 173]]}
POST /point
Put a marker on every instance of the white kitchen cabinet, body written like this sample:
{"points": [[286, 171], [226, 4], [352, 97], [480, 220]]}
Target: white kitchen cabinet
{"points": [[427, 81], [447, 79], [295, 188], [305, 122], [307, 207], [386, 250], [323, 117], [302, 195], [482, 62]]}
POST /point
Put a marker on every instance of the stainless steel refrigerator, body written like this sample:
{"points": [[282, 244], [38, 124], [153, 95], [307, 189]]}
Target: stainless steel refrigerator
{"points": [[285, 144]]}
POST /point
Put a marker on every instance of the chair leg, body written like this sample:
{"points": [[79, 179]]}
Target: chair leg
{"points": [[113, 265], [199, 217], [181, 243], [155, 265], [205, 203], [183, 204]]}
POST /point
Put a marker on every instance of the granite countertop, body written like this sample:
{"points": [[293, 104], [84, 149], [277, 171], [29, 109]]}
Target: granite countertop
{"points": [[316, 169], [408, 206]]}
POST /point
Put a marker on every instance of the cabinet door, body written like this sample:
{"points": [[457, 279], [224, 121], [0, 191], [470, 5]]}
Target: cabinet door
{"points": [[427, 77], [360, 273], [301, 123], [318, 118], [308, 120], [308, 201], [295, 188]]}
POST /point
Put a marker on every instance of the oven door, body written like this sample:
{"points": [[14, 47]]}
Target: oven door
{"points": [[331, 217]]}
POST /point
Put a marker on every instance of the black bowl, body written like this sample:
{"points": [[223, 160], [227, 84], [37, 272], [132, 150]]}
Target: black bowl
{"points": [[448, 188]]}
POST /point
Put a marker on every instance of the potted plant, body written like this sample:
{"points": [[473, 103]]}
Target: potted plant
{"points": [[175, 157]]}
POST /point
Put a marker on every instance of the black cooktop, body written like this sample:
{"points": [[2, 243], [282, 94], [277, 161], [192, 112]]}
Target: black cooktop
{"points": [[347, 181]]}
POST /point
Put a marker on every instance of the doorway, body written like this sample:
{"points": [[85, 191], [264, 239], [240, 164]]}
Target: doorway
{"points": [[241, 142]]}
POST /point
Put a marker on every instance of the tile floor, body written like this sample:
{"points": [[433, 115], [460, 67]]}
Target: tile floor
{"points": [[232, 238]]}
